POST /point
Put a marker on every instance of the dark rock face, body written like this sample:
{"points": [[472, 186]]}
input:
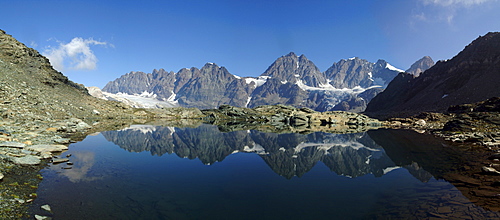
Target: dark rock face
{"points": [[420, 66], [471, 76], [359, 72], [350, 73], [283, 79], [291, 68], [290, 80], [207, 87]]}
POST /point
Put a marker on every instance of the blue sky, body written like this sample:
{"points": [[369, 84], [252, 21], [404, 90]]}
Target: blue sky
{"points": [[94, 42]]}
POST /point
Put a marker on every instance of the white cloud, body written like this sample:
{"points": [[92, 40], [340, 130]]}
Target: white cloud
{"points": [[33, 44], [444, 10], [75, 55], [455, 3]]}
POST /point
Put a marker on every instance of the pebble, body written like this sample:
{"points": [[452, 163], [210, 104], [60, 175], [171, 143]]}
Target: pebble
{"points": [[1, 176], [421, 122], [46, 207], [490, 170], [62, 140], [41, 217]]}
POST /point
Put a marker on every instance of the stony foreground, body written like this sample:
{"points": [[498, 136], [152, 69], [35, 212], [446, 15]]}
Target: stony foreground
{"points": [[26, 146], [476, 128], [29, 144]]}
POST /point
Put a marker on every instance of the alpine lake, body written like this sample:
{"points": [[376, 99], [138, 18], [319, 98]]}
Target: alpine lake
{"points": [[155, 172]]}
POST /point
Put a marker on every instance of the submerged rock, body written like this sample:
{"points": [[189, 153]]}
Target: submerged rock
{"points": [[41, 217], [59, 160]]}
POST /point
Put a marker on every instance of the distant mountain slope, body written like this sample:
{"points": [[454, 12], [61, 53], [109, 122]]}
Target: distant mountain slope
{"points": [[420, 66], [292, 80], [472, 75]]}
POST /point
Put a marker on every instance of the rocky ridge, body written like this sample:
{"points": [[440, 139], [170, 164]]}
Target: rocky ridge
{"points": [[471, 76], [290, 80]]}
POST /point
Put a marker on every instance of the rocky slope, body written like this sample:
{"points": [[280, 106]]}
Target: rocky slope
{"points": [[40, 109], [470, 76], [31, 88], [290, 80]]}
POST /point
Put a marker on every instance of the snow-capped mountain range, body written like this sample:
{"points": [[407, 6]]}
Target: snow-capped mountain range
{"points": [[291, 80]]}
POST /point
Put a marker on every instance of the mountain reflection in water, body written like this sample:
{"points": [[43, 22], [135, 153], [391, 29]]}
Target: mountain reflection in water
{"points": [[378, 174], [288, 155]]}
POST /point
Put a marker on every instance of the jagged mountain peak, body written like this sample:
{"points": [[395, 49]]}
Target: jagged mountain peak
{"points": [[420, 66], [210, 64], [291, 54], [292, 69], [354, 72], [384, 64], [352, 59]]}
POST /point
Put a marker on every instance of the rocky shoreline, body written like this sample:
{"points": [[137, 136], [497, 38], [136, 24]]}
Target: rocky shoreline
{"points": [[287, 119], [473, 128], [26, 146], [29, 144]]}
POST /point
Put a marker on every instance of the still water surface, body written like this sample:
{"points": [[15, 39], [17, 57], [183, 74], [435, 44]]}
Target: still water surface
{"points": [[148, 172]]}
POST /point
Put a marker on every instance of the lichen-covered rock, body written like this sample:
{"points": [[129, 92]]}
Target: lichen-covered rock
{"points": [[47, 148], [26, 160], [12, 144]]}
